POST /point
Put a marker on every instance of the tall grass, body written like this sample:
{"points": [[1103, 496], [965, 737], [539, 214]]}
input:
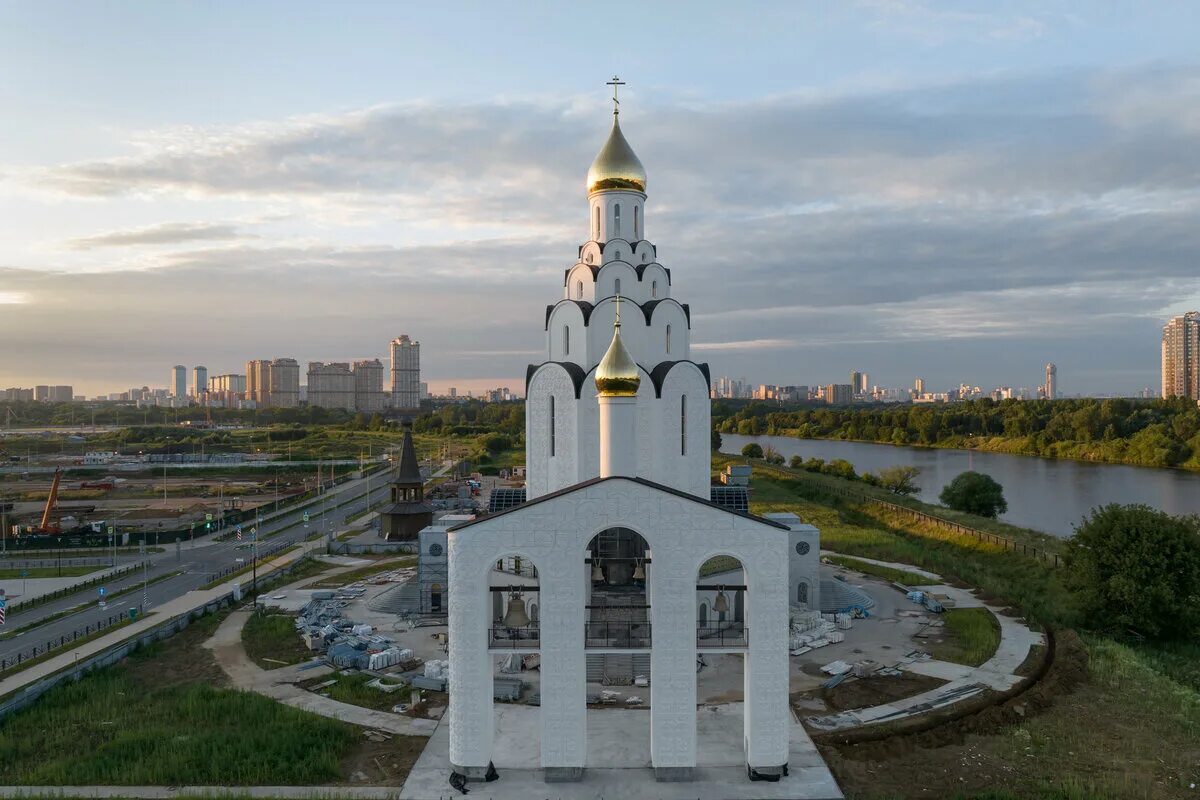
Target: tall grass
{"points": [[107, 729]]}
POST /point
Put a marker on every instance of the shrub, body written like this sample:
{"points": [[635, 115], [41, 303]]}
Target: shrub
{"points": [[1138, 568], [840, 468], [900, 479], [753, 450], [975, 493], [796, 463]]}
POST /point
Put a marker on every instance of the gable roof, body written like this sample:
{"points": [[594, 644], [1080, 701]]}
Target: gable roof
{"points": [[651, 484]]}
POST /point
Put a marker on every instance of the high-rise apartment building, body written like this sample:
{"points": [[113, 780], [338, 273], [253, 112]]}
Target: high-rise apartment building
{"points": [[258, 381], [368, 385], [1181, 356], [839, 393], [283, 388], [179, 380], [855, 381], [1050, 387], [199, 381], [406, 373], [331, 385], [919, 386]]}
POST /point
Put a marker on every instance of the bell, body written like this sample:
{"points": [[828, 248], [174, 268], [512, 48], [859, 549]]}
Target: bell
{"points": [[721, 604], [516, 616], [639, 574], [597, 573]]}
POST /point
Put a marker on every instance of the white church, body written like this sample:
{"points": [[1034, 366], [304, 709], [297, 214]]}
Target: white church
{"points": [[618, 554]]}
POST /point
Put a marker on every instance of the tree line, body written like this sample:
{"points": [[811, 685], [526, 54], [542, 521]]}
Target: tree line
{"points": [[1157, 433]]}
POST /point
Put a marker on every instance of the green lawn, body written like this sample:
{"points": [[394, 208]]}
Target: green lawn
{"points": [[271, 640], [353, 689], [972, 636]]}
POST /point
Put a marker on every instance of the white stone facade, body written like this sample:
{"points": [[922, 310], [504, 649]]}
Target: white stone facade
{"points": [[682, 534]]}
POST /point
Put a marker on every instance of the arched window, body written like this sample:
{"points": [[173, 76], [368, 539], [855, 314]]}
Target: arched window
{"points": [[596, 225], [579, 287], [653, 284], [636, 223], [802, 593], [617, 220], [683, 425], [552, 426], [435, 597], [668, 340], [703, 616], [566, 340], [617, 286], [533, 612]]}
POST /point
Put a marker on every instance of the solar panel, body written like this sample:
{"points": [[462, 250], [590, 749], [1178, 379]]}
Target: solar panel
{"points": [[503, 499], [735, 498]]}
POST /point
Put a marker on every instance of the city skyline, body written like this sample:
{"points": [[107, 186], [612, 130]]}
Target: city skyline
{"points": [[1030, 199]]}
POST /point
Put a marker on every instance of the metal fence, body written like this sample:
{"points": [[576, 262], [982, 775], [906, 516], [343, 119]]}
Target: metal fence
{"points": [[74, 588], [514, 638], [729, 635], [634, 635], [39, 650]]}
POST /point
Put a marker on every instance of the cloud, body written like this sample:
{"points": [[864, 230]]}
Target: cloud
{"points": [[957, 230], [166, 233]]}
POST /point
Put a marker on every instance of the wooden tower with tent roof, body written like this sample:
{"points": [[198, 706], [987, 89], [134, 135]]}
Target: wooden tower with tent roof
{"points": [[407, 513]]}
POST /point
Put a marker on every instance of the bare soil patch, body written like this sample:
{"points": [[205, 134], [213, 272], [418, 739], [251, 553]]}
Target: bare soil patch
{"points": [[876, 690]]}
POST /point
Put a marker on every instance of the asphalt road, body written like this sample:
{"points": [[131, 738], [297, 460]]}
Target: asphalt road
{"points": [[198, 562]]}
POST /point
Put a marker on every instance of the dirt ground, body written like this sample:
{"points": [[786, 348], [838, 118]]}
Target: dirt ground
{"points": [[872, 691], [382, 763]]}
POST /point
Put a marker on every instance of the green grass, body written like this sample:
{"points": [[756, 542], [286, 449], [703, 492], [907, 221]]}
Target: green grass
{"points": [[159, 718], [49, 572], [272, 638], [973, 634], [887, 573], [353, 689]]}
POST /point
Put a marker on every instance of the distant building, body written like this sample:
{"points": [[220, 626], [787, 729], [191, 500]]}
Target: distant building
{"points": [[406, 373], [179, 380], [284, 386], [258, 381], [331, 385], [1181, 356], [839, 394], [919, 386], [1050, 388], [62, 394], [199, 381], [41, 393], [368, 385], [227, 383]]}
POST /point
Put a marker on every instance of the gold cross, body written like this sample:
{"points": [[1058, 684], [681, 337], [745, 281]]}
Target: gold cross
{"points": [[615, 83], [617, 321]]}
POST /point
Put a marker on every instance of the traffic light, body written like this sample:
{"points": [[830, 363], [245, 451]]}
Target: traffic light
{"points": [[208, 526]]}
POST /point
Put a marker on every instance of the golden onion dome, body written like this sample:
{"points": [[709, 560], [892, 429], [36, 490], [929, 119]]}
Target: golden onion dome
{"points": [[616, 166], [617, 373]]}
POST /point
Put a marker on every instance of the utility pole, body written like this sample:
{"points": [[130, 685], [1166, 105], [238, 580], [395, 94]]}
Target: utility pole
{"points": [[145, 575]]}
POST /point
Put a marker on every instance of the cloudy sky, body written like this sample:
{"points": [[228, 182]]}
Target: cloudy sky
{"points": [[961, 191]]}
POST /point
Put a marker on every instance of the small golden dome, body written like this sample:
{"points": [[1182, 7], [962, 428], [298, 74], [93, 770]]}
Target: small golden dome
{"points": [[617, 373], [616, 166]]}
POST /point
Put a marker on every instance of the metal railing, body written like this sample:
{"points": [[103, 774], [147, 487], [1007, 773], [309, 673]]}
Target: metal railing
{"points": [[633, 635], [74, 588], [83, 632], [731, 634], [514, 638]]}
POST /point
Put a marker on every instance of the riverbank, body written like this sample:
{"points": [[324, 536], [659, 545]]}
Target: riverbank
{"points": [[1050, 495]]}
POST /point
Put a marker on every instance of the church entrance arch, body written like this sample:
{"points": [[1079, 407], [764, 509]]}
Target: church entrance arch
{"points": [[722, 640]]}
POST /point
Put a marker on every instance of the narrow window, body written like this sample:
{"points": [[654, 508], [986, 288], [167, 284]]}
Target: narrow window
{"points": [[551, 426], [566, 340], [435, 597], [617, 286], [653, 284], [617, 219], [579, 288], [668, 340], [597, 224], [683, 425], [636, 219]]}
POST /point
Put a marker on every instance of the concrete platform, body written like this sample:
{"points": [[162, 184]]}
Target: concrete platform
{"points": [[618, 762]]}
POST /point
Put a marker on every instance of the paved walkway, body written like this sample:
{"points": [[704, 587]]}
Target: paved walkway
{"points": [[280, 684], [189, 602], [892, 564], [963, 682]]}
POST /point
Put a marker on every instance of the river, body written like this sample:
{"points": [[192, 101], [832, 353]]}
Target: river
{"points": [[1046, 494]]}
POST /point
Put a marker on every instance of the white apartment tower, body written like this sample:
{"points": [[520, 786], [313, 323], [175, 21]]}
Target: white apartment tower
{"points": [[331, 385], [1181, 356], [406, 373], [368, 385], [1051, 387], [284, 386]]}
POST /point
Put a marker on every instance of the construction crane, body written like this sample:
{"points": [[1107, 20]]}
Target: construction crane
{"points": [[50, 526]]}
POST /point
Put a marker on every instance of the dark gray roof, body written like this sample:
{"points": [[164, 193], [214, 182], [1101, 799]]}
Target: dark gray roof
{"points": [[410, 471], [594, 481]]}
